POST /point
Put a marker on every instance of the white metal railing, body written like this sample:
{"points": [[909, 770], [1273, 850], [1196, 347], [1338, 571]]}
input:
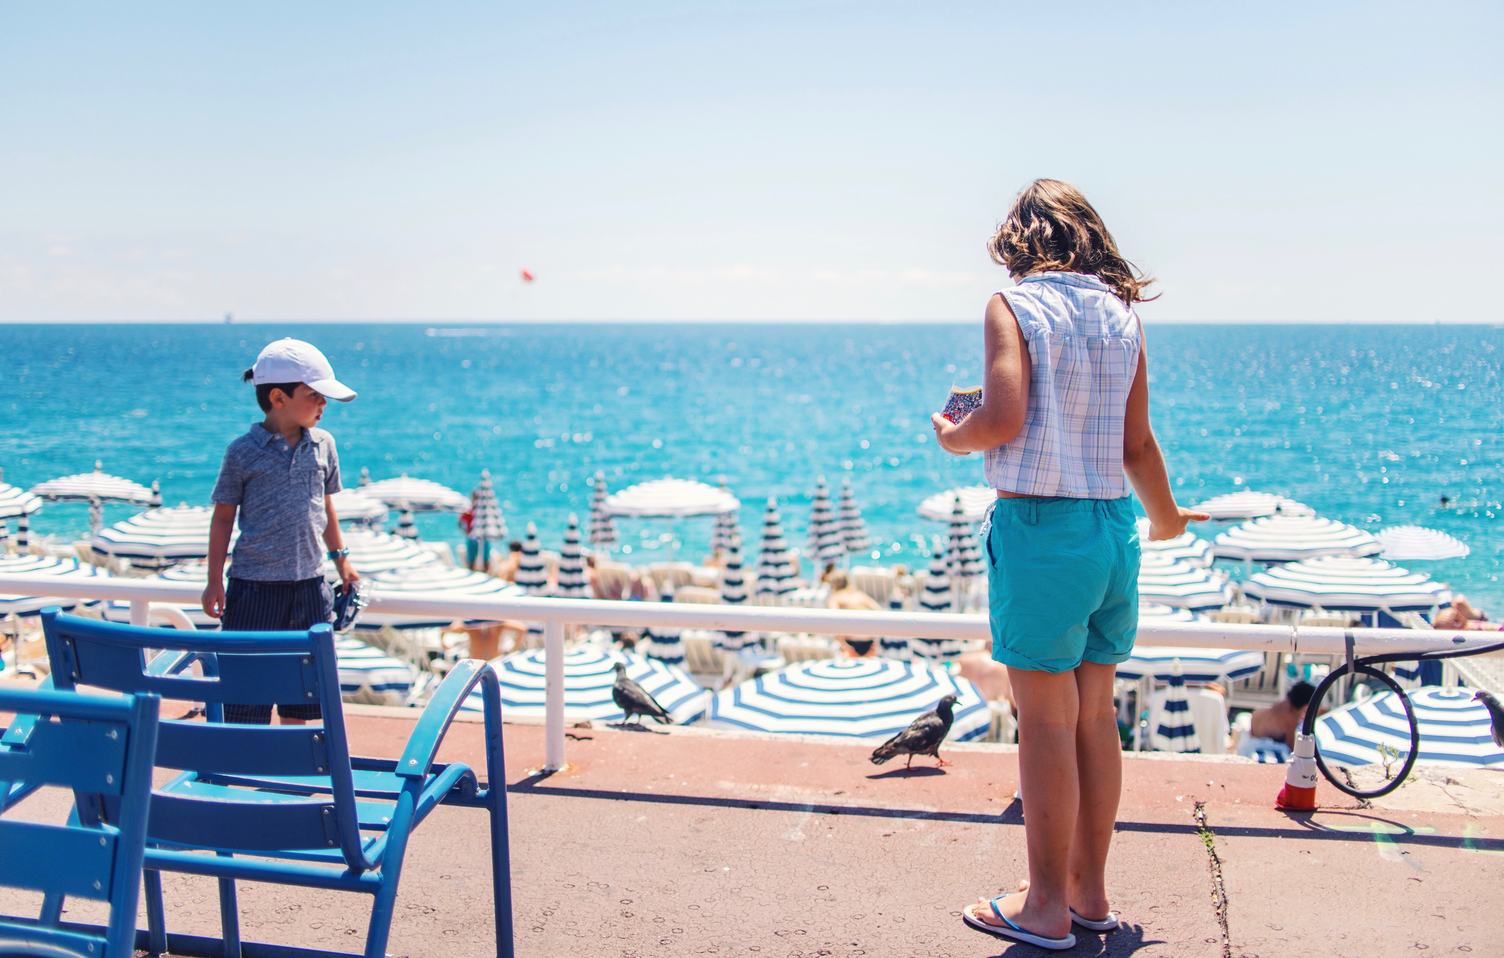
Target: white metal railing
{"points": [[556, 614]]}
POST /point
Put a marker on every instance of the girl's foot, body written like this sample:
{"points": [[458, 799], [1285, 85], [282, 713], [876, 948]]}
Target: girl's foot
{"points": [[1016, 908], [1094, 908]]}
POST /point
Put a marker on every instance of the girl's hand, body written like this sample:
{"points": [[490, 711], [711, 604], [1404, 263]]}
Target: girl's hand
{"points": [[1169, 529], [347, 573], [944, 429]]}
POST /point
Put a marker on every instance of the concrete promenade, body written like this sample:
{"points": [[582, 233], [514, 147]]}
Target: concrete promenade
{"points": [[694, 843]]}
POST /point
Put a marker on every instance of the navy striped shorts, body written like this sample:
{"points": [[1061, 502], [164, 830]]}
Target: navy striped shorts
{"points": [[252, 606]]}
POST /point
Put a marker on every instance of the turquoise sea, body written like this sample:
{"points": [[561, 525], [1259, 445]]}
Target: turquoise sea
{"points": [[1369, 424]]}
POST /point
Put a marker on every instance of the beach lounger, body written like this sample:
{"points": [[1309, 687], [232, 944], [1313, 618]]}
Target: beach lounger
{"points": [[876, 581], [283, 804], [102, 749], [671, 575], [697, 594]]}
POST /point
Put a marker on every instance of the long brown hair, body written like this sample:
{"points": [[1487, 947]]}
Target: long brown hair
{"points": [[1052, 227]]}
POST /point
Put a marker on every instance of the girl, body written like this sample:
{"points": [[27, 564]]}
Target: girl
{"points": [[1064, 416]]}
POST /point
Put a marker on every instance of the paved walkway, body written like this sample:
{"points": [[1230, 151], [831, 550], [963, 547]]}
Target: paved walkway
{"points": [[691, 843]]}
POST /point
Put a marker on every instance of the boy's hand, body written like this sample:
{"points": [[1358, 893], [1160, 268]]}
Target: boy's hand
{"points": [[214, 600], [347, 573], [943, 430], [1169, 529]]}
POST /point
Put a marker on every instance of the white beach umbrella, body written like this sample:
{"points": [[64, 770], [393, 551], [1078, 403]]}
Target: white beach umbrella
{"points": [[589, 674], [352, 505], [419, 495], [1248, 504], [775, 570], [824, 529], [1454, 730], [1183, 585], [16, 502], [433, 580], [660, 642], [853, 530], [50, 566], [1414, 544], [602, 529], [1187, 547], [670, 499], [734, 593], [1176, 731], [100, 485], [373, 552], [487, 524], [573, 582], [1347, 584], [1196, 665], [975, 501], [937, 597], [406, 528], [1289, 538], [871, 698], [158, 538]]}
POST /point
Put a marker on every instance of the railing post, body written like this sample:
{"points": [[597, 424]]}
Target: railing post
{"points": [[140, 612], [553, 677]]}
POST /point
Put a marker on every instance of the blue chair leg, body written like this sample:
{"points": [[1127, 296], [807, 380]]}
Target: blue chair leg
{"points": [[501, 853], [229, 917], [156, 920], [52, 908], [380, 928]]}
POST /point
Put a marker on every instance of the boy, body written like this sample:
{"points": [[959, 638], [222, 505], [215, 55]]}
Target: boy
{"points": [[279, 477]]}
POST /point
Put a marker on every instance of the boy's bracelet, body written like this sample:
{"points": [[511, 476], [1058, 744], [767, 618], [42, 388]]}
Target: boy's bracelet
{"points": [[338, 554]]}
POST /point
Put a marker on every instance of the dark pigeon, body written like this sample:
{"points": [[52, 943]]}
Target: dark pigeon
{"points": [[922, 737], [633, 699], [1495, 714]]}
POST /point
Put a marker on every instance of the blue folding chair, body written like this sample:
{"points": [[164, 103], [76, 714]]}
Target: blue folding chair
{"points": [[292, 796], [102, 749]]}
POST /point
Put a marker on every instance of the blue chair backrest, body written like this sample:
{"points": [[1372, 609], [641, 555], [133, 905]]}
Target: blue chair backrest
{"points": [[101, 748], [252, 668]]}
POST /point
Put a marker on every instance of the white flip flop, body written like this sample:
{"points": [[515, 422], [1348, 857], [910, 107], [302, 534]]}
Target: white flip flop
{"points": [[1110, 923], [1013, 932]]}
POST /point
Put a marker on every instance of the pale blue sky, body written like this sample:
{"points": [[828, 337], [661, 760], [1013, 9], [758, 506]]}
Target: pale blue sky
{"points": [[738, 161]]}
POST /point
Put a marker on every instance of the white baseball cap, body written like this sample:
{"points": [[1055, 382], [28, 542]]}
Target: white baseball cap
{"points": [[294, 361]]}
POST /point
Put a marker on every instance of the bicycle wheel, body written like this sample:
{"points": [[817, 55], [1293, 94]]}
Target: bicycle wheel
{"points": [[1390, 776]]}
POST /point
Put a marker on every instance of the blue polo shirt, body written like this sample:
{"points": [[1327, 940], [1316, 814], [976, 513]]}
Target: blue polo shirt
{"points": [[279, 491]]}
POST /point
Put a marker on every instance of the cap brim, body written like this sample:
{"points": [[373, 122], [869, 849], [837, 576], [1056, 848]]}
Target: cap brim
{"points": [[333, 389]]}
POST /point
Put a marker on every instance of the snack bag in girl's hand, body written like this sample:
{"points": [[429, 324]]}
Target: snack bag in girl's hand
{"points": [[962, 402]]}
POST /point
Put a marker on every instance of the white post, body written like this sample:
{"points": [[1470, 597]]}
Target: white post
{"points": [[140, 612], [553, 671]]}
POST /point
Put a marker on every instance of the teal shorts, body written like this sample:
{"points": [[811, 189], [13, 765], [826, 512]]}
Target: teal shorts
{"points": [[1062, 580]]}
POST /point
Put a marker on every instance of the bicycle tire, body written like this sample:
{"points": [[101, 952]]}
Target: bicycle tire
{"points": [[1308, 727]]}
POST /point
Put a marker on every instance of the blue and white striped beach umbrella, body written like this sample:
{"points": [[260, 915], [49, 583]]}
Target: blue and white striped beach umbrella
{"points": [[1417, 544], [775, 570], [871, 698], [16, 502], [734, 594], [1196, 665], [100, 485], [406, 528], [158, 538], [352, 505], [1248, 504], [662, 643], [573, 582], [1285, 538], [418, 495], [894, 647], [825, 543], [589, 673], [725, 527], [1176, 731], [602, 532], [1347, 584], [1178, 583], [1186, 547], [433, 580], [50, 566], [1150, 613], [853, 530], [368, 675], [937, 597], [1454, 730], [487, 524], [975, 501], [23, 534], [373, 552], [532, 576]]}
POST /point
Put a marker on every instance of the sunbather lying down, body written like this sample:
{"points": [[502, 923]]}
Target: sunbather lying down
{"points": [[1462, 615]]}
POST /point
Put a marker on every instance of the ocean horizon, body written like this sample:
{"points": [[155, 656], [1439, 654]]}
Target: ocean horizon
{"points": [[1370, 424]]}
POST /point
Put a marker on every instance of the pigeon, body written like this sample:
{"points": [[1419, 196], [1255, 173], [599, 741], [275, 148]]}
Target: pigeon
{"points": [[633, 699], [1495, 715], [922, 737]]}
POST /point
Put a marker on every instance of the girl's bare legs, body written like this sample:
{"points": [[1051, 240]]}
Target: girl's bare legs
{"points": [[1048, 706], [1099, 764]]}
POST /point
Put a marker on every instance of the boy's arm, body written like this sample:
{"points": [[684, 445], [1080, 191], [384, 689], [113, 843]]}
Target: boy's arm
{"points": [[221, 525], [334, 540], [1145, 464], [1005, 388]]}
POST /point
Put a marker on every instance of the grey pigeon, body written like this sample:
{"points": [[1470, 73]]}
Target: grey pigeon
{"points": [[1495, 715], [633, 699], [922, 737]]}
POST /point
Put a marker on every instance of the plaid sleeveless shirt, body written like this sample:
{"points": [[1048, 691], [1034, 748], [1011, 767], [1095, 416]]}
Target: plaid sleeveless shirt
{"points": [[1083, 353]]}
